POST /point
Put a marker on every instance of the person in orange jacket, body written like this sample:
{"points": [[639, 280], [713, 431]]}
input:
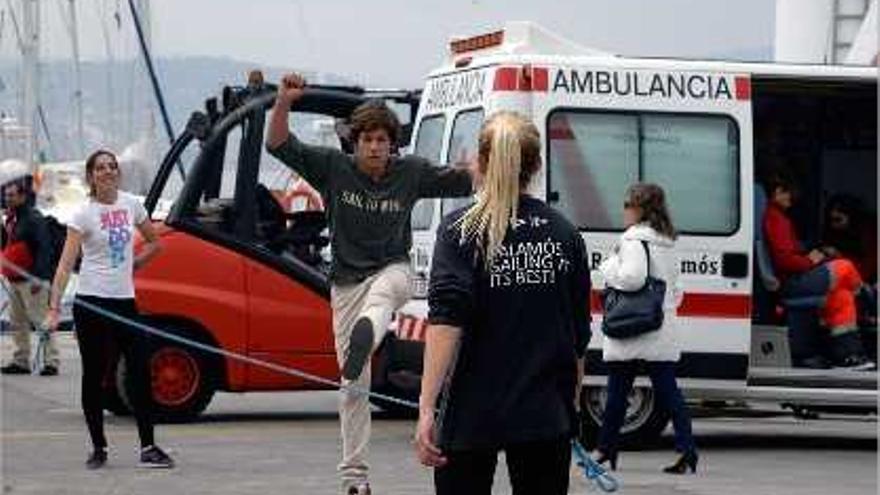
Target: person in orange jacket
{"points": [[811, 273]]}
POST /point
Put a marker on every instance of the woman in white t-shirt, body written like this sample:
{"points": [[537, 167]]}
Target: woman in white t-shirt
{"points": [[103, 229]]}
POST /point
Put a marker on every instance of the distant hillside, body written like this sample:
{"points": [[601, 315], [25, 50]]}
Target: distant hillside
{"points": [[118, 98]]}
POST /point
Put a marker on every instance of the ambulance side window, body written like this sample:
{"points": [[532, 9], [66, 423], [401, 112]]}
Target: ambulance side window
{"points": [[694, 157], [462, 149], [429, 144], [592, 159], [594, 156]]}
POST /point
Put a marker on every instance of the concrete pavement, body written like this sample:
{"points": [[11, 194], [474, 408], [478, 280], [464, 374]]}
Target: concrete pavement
{"points": [[287, 443]]}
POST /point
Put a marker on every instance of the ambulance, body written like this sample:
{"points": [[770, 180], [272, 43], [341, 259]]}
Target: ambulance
{"points": [[705, 131], [240, 272]]}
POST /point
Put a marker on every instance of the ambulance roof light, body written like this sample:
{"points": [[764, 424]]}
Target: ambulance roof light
{"points": [[520, 37], [463, 45]]}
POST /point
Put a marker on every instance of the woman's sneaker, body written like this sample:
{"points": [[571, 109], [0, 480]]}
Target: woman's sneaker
{"points": [[857, 363], [15, 369], [154, 457], [97, 459]]}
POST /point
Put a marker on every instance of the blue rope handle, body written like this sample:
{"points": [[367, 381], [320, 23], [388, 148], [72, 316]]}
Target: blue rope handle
{"points": [[593, 471]]}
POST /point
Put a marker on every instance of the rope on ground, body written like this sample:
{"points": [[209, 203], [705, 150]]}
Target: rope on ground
{"points": [[351, 388]]}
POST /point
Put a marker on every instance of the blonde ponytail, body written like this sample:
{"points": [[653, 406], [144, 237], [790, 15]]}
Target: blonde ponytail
{"points": [[509, 154]]}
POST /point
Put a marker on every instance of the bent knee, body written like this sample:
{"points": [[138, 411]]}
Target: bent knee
{"points": [[846, 275]]}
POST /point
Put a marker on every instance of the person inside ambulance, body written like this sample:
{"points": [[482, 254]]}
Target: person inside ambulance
{"points": [[850, 231], [811, 274]]}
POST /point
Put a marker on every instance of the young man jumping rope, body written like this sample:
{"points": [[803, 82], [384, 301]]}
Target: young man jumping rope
{"points": [[369, 197]]}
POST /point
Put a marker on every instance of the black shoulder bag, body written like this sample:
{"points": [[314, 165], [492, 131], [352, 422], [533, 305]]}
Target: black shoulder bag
{"points": [[630, 314]]}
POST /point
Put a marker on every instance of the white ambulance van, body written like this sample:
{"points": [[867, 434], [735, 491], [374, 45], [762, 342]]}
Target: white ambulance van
{"points": [[705, 131]]}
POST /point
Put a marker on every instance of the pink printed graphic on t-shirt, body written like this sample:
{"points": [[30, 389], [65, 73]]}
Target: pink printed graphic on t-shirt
{"points": [[118, 234]]}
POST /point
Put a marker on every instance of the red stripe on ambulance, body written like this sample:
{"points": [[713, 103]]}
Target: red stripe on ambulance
{"points": [[742, 88], [525, 78], [693, 305], [697, 305]]}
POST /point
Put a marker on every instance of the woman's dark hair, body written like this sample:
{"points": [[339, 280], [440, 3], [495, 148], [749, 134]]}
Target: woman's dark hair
{"points": [[779, 178], [25, 185], [850, 239], [651, 200], [851, 206], [91, 161]]}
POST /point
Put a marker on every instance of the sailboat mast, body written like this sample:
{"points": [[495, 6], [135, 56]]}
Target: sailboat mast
{"points": [[77, 74], [148, 59], [31, 74]]}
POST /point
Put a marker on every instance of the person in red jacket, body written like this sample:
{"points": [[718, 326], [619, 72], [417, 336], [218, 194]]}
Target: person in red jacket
{"points": [[812, 273], [26, 247]]}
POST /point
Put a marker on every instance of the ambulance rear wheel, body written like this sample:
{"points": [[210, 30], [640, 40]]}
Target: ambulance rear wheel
{"points": [[642, 426]]}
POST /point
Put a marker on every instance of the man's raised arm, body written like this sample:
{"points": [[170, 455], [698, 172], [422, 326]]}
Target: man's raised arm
{"points": [[290, 90], [313, 163]]}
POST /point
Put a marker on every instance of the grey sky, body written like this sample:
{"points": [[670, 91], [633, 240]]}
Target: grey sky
{"points": [[395, 42]]}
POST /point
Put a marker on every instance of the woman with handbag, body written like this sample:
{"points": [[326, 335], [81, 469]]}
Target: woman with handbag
{"points": [[644, 260]]}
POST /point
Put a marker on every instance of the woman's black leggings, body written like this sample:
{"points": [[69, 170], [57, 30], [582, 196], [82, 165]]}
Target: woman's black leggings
{"points": [[101, 339], [540, 468]]}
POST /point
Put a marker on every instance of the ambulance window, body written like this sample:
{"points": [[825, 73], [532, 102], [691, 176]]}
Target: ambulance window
{"points": [[429, 144], [594, 156], [462, 149], [429, 141], [694, 157]]}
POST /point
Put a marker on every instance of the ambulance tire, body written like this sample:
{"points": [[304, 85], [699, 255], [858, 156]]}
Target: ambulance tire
{"points": [[644, 423], [184, 380], [397, 373]]}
